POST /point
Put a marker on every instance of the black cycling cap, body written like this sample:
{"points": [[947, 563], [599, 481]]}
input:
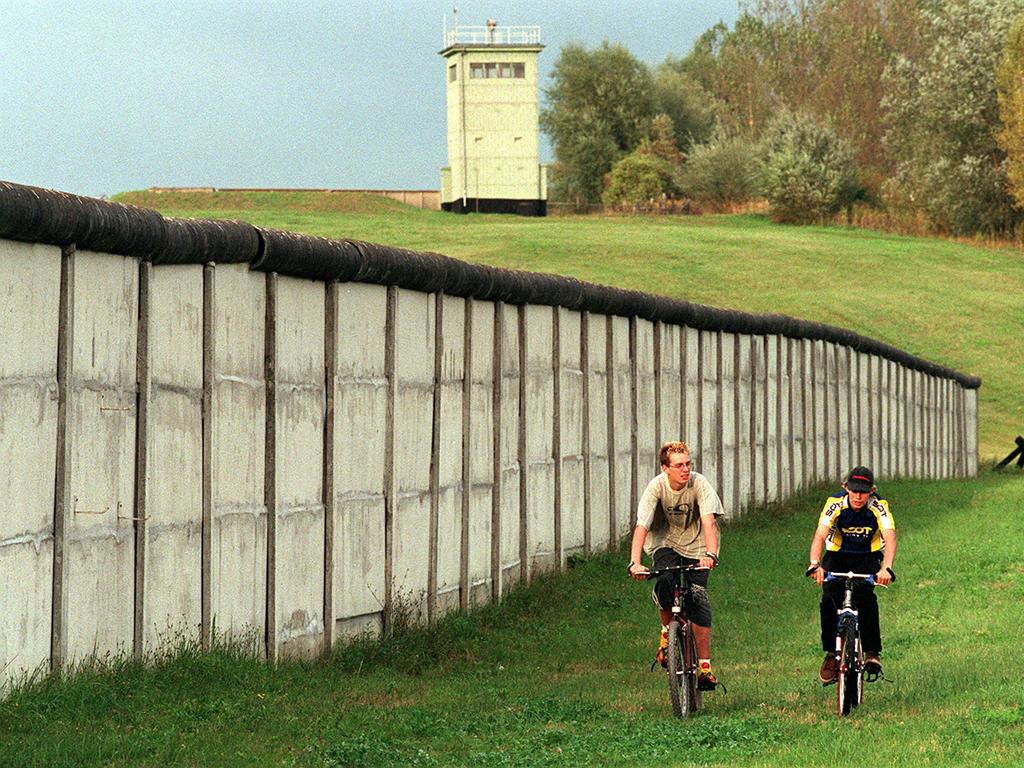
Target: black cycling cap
{"points": [[860, 479]]}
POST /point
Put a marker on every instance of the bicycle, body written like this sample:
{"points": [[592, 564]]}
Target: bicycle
{"points": [[682, 649], [849, 653]]}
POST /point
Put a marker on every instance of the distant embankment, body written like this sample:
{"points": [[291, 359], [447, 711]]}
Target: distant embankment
{"points": [[213, 428], [428, 199]]}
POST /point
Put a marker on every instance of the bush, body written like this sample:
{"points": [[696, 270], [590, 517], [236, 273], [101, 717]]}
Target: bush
{"points": [[724, 171], [809, 173], [967, 196], [637, 178]]}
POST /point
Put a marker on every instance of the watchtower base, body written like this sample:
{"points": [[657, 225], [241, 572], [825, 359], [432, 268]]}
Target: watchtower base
{"points": [[497, 205]]}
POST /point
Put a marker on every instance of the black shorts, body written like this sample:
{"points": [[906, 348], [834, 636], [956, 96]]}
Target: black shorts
{"points": [[695, 592]]}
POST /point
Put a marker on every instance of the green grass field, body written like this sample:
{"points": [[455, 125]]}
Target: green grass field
{"points": [[957, 304], [559, 675]]}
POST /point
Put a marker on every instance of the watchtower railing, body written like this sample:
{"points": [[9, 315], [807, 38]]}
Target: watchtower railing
{"points": [[491, 35]]}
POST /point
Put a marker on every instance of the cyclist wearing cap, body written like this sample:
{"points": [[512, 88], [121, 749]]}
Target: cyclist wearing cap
{"points": [[859, 535], [676, 525]]}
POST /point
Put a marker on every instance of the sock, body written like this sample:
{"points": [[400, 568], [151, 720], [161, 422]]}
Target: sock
{"points": [[664, 629], [704, 663]]}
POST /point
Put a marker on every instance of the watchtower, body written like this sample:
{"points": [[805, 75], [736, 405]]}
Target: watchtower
{"points": [[493, 133]]}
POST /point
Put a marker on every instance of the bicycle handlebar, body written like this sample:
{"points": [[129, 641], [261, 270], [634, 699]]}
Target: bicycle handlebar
{"points": [[651, 574], [867, 578]]}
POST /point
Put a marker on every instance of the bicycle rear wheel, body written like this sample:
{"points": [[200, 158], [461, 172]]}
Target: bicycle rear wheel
{"points": [[680, 690]]}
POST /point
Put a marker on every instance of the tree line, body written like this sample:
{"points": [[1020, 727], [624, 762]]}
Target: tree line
{"points": [[913, 106]]}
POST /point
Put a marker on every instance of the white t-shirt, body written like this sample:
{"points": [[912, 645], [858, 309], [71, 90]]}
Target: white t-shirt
{"points": [[672, 518]]}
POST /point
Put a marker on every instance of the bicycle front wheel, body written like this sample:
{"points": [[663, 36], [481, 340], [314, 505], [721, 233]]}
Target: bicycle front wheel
{"points": [[855, 669], [848, 686], [680, 690]]}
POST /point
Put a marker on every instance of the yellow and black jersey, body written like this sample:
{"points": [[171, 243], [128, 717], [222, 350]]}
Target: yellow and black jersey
{"points": [[855, 531]]}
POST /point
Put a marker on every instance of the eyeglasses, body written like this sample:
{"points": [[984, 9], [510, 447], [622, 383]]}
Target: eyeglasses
{"points": [[684, 465]]}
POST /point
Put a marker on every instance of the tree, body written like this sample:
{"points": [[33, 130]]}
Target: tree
{"points": [[826, 58], [809, 173], [943, 114], [599, 107], [651, 171], [1010, 85], [686, 103], [733, 66]]}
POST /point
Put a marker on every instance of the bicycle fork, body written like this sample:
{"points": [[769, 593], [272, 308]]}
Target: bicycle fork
{"points": [[846, 617]]}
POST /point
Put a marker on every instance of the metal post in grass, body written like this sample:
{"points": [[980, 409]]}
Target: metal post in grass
{"points": [[1017, 453]]}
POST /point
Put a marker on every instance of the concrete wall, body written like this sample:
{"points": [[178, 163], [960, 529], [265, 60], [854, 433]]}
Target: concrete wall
{"points": [[30, 295], [359, 421], [199, 452]]}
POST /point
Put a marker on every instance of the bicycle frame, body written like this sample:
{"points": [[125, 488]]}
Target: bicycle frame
{"points": [[849, 661], [682, 669]]}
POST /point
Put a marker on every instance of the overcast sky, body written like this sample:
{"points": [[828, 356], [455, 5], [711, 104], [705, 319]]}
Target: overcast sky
{"points": [[98, 97]]}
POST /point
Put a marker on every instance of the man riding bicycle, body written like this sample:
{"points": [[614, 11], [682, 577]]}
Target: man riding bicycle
{"points": [[676, 525], [859, 535]]}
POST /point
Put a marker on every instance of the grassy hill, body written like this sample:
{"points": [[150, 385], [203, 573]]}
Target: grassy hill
{"points": [[560, 674], [958, 304]]}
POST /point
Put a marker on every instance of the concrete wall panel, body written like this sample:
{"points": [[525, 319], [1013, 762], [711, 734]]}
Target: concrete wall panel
{"points": [[413, 411], [728, 479], [647, 465], [100, 549], [238, 535], [570, 413], [509, 449], [821, 433], [670, 425], [787, 417], [797, 392], [449, 507], [299, 466], [861, 420], [971, 408], [29, 296], [597, 416], [538, 415], [773, 443], [621, 408], [760, 390], [746, 423], [710, 425], [842, 464], [174, 493], [481, 453], [689, 346]]}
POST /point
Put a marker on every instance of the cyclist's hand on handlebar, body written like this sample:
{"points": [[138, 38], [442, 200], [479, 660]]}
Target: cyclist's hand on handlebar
{"points": [[883, 577], [638, 571], [707, 562], [817, 573]]}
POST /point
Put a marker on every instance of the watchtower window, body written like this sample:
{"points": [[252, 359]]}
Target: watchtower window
{"points": [[451, 73], [493, 69]]}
